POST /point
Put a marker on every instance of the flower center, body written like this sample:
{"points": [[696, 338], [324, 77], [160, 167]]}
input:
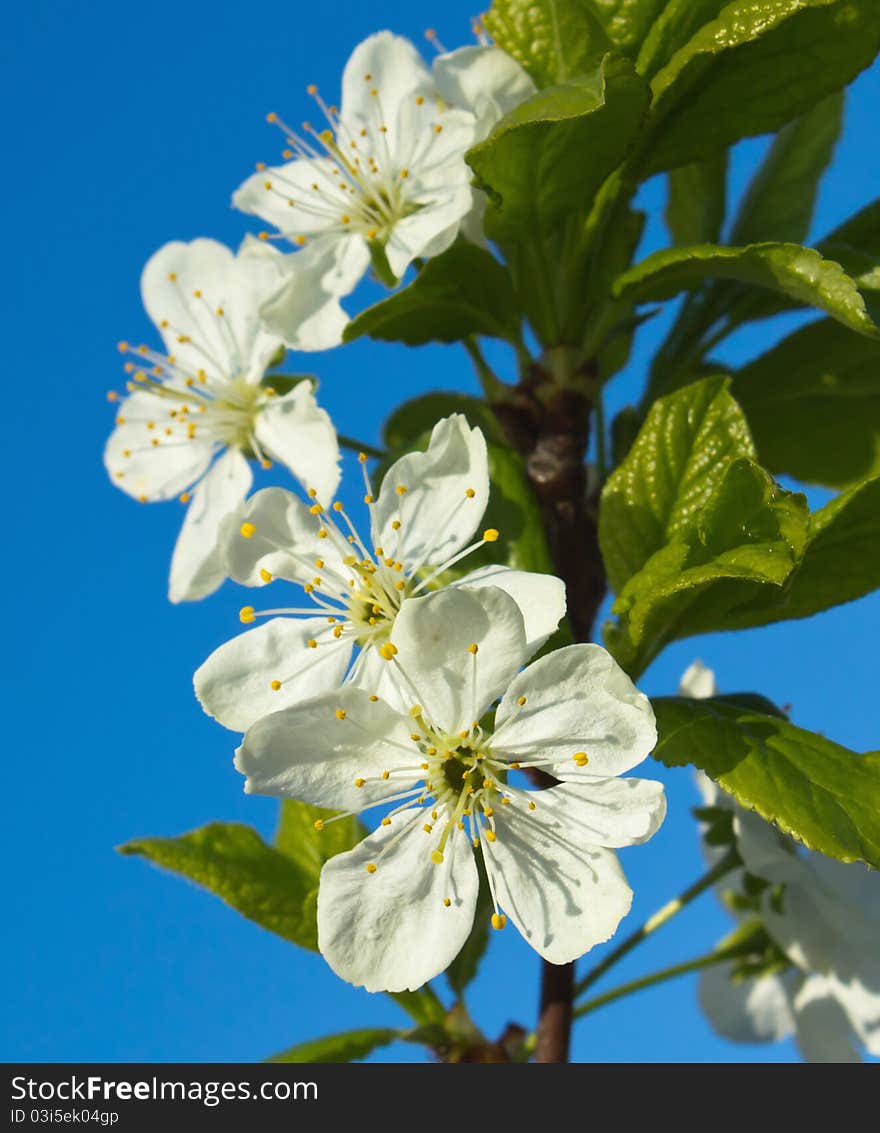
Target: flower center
{"points": [[362, 169]]}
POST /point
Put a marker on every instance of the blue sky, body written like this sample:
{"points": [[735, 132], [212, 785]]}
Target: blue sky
{"points": [[131, 127]]}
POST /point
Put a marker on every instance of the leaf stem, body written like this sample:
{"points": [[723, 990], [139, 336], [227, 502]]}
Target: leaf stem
{"points": [[727, 863], [360, 446], [601, 449], [493, 387], [708, 960]]}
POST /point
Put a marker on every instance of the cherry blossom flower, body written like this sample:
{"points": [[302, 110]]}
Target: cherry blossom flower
{"points": [[197, 414], [424, 521], [396, 910]]}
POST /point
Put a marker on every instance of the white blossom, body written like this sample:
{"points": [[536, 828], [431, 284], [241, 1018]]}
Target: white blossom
{"points": [[824, 916], [396, 910], [195, 414], [424, 520], [386, 172]]}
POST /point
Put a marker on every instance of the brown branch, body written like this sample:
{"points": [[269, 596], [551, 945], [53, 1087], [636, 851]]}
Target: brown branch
{"points": [[549, 425]]}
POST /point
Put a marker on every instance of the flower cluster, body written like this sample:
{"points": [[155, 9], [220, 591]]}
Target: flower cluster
{"points": [[393, 683]]}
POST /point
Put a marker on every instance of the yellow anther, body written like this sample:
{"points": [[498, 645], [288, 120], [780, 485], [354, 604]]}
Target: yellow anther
{"points": [[499, 920], [490, 836], [368, 499], [505, 802], [272, 116], [581, 758], [415, 737], [340, 713], [319, 823], [312, 644], [374, 698], [490, 535], [265, 465], [220, 312], [401, 489], [432, 751], [395, 526], [386, 775], [515, 766], [275, 686], [404, 173], [247, 531], [400, 585], [419, 100], [246, 615], [262, 235], [112, 395], [521, 701], [427, 827], [488, 811], [337, 632], [436, 857], [184, 497], [470, 493], [473, 648], [446, 902], [531, 806], [300, 240], [322, 534], [371, 867], [387, 650], [359, 783], [386, 821], [315, 509], [265, 575]]}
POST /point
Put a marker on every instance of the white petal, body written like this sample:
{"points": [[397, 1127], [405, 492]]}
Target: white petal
{"points": [[606, 812], [234, 685], [267, 194], [540, 597], [185, 285], [434, 636], [148, 471], [861, 1004], [196, 566], [306, 752], [578, 700], [698, 682], [564, 897], [437, 516], [823, 1031], [294, 430], [284, 542], [305, 311], [389, 65], [745, 1011], [390, 930], [484, 80]]}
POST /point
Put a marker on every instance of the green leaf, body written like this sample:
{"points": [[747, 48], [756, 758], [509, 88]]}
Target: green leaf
{"points": [[678, 21], [464, 291], [813, 405], [680, 457], [779, 202], [855, 244], [626, 22], [464, 967], [554, 40], [751, 70], [697, 201], [545, 160], [735, 555], [349, 1046], [799, 273], [820, 793], [284, 383], [309, 847], [411, 419], [841, 561], [513, 509], [233, 862]]}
